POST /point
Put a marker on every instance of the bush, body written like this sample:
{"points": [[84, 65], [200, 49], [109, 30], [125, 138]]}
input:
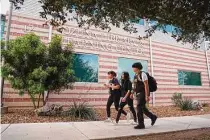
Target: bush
{"points": [[177, 99], [186, 104], [81, 111]]}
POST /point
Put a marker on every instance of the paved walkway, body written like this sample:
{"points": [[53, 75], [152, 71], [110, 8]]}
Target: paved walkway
{"points": [[97, 129]]}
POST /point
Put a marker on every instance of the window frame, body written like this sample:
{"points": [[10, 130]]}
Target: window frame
{"points": [[98, 67], [191, 72]]}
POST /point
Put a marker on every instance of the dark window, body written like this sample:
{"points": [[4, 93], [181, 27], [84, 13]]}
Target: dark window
{"points": [[189, 78]]}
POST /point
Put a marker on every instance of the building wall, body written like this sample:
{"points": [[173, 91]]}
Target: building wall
{"points": [[167, 60]]}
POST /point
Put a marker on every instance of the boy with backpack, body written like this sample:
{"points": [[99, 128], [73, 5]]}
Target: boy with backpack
{"points": [[142, 92]]}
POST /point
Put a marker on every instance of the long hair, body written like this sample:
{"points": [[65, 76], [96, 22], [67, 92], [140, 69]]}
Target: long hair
{"points": [[126, 76]]}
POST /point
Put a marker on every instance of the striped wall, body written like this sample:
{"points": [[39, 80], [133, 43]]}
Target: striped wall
{"points": [[167, 61]]}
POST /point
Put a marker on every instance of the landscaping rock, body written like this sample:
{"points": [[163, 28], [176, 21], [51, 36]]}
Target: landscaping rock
{"points": [[49, 110], [197, 105]]}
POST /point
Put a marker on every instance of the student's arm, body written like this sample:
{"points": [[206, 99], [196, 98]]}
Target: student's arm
{"points": [[116, 84], [115, 87], [133, 89], [129, 91], [146, 90], [106, 85], [146, 85]]}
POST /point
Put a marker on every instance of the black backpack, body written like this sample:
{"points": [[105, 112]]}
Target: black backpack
{"points": [[152, 83]]}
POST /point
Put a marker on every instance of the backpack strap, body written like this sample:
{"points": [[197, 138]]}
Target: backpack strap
{"points": [[139, 76]]}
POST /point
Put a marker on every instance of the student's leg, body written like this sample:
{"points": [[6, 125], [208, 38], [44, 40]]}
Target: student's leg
{"points": [[131, 107], [149, 115], [140, 112], [108, 105], [117, 102], [140, 115], [122, 104], [147, 112]]}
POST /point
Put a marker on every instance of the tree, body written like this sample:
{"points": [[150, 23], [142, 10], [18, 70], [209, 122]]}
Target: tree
{"points": [[190, 18], [32, 67]]}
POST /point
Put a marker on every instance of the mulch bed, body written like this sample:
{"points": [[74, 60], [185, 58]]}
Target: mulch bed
{"points": [[196, 134], [28, 116]]}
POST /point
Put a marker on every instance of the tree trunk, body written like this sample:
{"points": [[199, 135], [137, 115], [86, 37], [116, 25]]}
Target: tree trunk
{"points": [[39, 100], [46, 95], [33, 101]]}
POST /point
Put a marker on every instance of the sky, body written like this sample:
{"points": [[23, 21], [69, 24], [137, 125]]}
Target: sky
{"points": [[4, 6]]}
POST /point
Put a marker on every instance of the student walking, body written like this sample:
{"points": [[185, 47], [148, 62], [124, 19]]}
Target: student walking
{"points": [[114, 94], [126, 88], [141, 91]]}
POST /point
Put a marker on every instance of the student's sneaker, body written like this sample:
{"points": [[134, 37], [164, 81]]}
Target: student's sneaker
{"points": [[140, 126], [128, 117], [108, 120], [154, 118], [134, 123], [115, 123]]}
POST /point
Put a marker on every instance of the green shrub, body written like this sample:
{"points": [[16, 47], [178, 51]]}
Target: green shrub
{"points": [[177, 99], [186, 104], [81, 111]]}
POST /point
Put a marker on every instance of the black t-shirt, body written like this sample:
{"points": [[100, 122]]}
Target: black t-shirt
{"points": [[114, 82], [125, 86]]}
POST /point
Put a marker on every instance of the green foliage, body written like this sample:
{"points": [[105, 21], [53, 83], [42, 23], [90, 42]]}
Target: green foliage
{"points": [[177, 99], [182, 103], [190, 18], [186, 104], [81, 111], [32, 67]]}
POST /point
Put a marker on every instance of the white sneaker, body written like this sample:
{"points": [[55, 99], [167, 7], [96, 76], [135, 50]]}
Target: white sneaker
{"points": [[128, 117], [108, 120], [134, 123], [115, 123]]}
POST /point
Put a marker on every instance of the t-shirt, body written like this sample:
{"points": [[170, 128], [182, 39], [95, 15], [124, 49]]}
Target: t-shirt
{"points": [[125, 86], [114, 82], [139, 82], [143, 77]]}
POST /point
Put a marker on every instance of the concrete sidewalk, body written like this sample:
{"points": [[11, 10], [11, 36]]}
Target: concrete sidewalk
{"points": [[97, 129]]}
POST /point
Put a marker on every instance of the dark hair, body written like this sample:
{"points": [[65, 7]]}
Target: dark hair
{"points": [[112, 73], [126, 75], [137, 65]]}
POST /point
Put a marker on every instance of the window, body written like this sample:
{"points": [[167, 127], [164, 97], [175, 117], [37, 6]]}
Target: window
{"points": [[2, 27], [138, 21], [125, 64], [85, 67], [189, 78], [168, 28]]}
